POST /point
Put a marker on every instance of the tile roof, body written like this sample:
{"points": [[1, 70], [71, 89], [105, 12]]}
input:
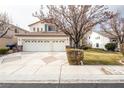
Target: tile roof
{"points": [[43, 34]]}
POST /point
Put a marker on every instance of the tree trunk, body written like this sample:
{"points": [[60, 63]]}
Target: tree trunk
{"points": [[71, 43], [122, 48], [77, 45], [5, 32]]}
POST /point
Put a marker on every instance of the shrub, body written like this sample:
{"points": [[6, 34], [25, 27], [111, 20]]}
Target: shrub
{"points": [[111, 46], [96, 50], [4, 50], [86, 47]]}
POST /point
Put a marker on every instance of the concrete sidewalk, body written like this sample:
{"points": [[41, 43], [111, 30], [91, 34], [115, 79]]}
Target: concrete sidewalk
{"points": [[53, 68], [61, 74]]}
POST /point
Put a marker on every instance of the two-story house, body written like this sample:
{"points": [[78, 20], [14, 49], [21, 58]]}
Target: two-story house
{"points": [[98, 39], [43, 36]]}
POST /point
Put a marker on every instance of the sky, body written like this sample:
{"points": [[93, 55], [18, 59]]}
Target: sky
{"points": [[21, 15]]}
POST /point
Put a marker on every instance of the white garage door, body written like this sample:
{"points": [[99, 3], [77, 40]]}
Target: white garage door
{"points": [[44, 45]]}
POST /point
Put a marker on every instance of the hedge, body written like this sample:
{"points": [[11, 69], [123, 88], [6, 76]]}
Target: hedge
{"points": [[4, 50]]}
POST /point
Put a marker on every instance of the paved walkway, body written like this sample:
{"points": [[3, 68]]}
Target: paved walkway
{"points": [[52, 67]]}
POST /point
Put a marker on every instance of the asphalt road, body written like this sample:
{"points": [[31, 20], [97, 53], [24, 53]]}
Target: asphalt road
{"points": [[74, 85]]}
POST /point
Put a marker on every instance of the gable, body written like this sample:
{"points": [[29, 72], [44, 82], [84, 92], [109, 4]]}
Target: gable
{"points": [[96, 37], [41, 21]]}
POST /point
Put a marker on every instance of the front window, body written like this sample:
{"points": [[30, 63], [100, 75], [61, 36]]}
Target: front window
{"points": [[34, 29], [45, 27], [97, 45], [41, 29], [51, 28], [37, 29]]}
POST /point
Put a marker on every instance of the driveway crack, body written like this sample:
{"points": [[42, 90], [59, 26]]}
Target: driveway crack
{"points": [[38, 69], [17, 70]]}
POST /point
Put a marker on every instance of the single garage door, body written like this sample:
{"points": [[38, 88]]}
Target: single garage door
{"points": [[44, 45]]}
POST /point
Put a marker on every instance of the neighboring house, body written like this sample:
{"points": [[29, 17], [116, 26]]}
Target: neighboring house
{"points": [[9, 37], [98, 39], [43, 36]]}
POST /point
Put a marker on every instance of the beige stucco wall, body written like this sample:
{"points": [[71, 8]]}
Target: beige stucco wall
{"points": [[38, 25], [10, 37], [5, 41]]}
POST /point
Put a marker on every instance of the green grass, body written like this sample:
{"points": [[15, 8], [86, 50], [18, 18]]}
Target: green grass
{"points": [[92, 57]]}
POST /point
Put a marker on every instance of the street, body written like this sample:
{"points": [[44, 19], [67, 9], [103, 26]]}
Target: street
{"points": [[64, 85]]}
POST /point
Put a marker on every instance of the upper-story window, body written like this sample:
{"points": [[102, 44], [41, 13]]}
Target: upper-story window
{"points": [[51, 28], [16, 31], [45, 27], [34, 29], [37, 29], [41, 29], [113, 40]]}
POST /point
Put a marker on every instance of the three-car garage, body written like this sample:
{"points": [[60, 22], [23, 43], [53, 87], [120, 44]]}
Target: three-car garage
{"points": [[43, 43]]}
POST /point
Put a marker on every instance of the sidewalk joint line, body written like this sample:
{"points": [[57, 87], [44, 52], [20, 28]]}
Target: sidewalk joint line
{"points": [[60, 76]]}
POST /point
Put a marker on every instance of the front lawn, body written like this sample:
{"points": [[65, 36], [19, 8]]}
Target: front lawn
{"points": [[101, 58]]}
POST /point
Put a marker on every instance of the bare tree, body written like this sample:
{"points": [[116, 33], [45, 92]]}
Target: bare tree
{"points": [[75, 20], [4, 24], [115, 27]]}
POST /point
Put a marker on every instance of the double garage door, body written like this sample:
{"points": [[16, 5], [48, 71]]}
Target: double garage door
{"points": [[44, 45]]}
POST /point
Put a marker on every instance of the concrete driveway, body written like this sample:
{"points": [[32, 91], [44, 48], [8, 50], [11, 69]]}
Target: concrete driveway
{"points": [[32, 66], [52, 67]]}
